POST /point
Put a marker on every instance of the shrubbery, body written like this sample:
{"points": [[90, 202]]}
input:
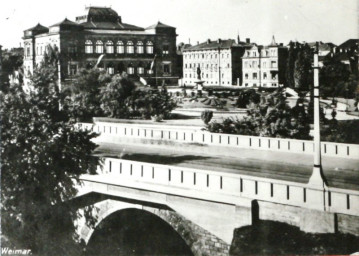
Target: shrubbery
{"points": [[206, 116], [94, 93], [271, 117]]}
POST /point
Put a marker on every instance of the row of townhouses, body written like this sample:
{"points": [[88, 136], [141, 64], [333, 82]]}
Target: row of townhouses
{"points": [[151, 53]]}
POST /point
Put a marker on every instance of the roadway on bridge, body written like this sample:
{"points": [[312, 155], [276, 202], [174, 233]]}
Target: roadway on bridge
{"points": [[339, 172]]}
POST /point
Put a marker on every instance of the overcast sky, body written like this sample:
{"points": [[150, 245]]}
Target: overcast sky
{"points": [[303, 20]]}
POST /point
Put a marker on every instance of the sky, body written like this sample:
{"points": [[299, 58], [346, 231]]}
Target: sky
{"points": [[198, 20]]}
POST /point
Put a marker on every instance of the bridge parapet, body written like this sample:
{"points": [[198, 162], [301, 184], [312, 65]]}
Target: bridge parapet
{"points": [[110, 130], [229, 187]]}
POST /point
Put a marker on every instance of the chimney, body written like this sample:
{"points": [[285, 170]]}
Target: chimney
{"points": [[219, 40], [248, 40], [208, 41], [197, 42]]}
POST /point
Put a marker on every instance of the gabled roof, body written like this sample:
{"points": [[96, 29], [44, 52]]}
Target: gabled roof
{"points": [[159, 25], [38, 27], [65, 22]]}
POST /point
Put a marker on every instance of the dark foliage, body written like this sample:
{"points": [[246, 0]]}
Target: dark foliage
{"points": [[206, 116], [42, 157], [274, 238]]}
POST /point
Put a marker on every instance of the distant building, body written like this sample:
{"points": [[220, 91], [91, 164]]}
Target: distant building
{"points": [[264, 66], [219, 62], [100, 31], [180, 48], [348, 53]]}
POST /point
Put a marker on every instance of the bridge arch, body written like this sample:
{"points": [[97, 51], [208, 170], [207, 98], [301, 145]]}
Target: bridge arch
{"points": [[196, 239]]}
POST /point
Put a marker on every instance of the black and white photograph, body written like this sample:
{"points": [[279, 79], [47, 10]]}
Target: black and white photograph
{"points": [[179, 127]]}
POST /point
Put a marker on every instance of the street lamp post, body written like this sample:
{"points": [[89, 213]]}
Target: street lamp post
{"points": [[317, 177]]}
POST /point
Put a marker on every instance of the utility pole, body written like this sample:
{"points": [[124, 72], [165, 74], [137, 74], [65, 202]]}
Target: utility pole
{"points": [[219, 65], [317, 178]]}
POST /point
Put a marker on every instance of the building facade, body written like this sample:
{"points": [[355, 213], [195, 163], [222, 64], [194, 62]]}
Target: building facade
{"points": [[264, 66], [218, 61], [141, 52]]}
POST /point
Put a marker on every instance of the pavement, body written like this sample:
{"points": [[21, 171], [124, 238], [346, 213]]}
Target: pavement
{"points": [[339, 172]]}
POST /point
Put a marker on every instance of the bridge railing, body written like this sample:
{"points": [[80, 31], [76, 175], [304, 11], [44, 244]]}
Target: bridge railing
{"points": [[228, 187], [188, 135]]}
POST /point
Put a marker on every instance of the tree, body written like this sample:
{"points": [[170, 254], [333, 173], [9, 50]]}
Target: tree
{"points": [[272, 117], [151, 103], [334, 78], [114, 95], [292, 56], [42, 159], [12, 60], [206, 116], [303, 75], [85, 101]]}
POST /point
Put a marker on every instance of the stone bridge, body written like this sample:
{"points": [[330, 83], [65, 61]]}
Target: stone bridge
{"points": [[204, 207]]}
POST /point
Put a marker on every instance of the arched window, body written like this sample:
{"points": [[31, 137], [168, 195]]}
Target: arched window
{"points": [[109, 47], [130, 69], [149, 47], [140, 69], [120, 47], [139, 47], [130, 47], [99, 46]]}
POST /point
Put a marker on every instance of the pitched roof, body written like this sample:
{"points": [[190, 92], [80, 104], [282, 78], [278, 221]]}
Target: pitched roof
{"points": [[110, 25], [38, 27], [65, 22], [101, 11], [222, 44], [159, 25], [350, 43]]}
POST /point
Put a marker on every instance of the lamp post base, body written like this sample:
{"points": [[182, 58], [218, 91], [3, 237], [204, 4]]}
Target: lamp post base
{"points": [[317, 179]]}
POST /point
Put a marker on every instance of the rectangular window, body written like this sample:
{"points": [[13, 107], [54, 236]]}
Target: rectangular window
{"points": [[165, 50], [246, 76], [130, 70], [166, 68], [254, 75], [264, 75], [111, 70], [72, 69], [273, 64], [140, 70]]}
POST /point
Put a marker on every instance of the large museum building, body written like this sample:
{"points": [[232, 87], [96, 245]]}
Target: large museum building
{"points": [[148, 53]]}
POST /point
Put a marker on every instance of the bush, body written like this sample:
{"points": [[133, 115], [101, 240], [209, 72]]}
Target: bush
{"points": [[206, 116], [150, 103], [341, 131]]}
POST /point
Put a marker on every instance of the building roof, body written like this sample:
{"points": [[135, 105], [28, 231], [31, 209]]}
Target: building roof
{"points": [[101, 14], [222, 44], [65, 22], [104, 18], [38, 27], [159, 25], [350, 43], [181, 47], [110, 25]]}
